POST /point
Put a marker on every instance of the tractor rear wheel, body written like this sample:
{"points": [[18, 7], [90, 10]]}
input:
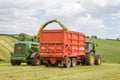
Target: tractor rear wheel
{"points": [[97, 59], [35, 61], [73, 62], [90, 58], [67, 63]]}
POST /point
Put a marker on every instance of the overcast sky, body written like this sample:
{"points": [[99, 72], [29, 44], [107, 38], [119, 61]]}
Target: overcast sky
{"points": [[92, 17]]}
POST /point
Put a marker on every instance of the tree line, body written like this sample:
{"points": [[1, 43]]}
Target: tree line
{"points": [[20, 36]]}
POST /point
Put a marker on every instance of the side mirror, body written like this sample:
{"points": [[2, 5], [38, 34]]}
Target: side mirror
{"points": [[96, 44]]}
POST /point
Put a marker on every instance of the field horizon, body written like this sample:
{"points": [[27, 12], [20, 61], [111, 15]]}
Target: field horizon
{"points": [[108, 70]]}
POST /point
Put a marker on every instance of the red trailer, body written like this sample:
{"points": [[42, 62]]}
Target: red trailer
{"points": [[65, 47]]}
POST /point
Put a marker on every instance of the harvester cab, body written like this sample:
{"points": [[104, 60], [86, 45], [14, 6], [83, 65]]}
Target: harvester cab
{"points": [[26, 52]]}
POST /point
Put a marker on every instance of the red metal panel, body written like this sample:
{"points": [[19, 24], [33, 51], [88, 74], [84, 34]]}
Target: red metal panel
{"points": [[61, 43], [51, 36]]}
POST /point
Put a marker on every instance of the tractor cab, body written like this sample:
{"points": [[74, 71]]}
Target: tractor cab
{"points": [[90, 47]]}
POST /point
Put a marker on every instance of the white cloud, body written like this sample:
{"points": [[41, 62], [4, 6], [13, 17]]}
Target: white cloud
{"points": [[65, 9], [101, 3], [114, 2], [91, 25], [115, 15], [92, 17]]}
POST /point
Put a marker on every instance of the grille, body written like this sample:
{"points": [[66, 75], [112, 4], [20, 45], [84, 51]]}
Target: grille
{"points": [[19, 49]]}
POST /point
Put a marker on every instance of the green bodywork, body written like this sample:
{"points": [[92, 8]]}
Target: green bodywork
{"points": [[24, 50]]}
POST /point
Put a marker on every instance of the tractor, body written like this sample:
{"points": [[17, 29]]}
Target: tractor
{"points": [[27, 52]]}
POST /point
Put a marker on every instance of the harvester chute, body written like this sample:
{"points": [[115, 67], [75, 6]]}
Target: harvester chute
{"points": [[45, 24]]}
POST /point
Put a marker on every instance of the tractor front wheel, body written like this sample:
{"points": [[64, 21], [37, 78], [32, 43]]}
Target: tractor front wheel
{"points": [[35, 61], [15, 62], [98, 60]]}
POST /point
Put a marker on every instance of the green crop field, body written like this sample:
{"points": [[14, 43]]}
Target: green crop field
{"points": [[6, 47], [24, 72], [109, 70], [109, 50]]}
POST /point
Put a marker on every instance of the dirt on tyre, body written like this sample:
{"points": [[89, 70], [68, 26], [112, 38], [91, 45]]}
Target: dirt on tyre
{"points": [[35, 61], [98, 60], [90, 59], [73, 62], [67, 63]]}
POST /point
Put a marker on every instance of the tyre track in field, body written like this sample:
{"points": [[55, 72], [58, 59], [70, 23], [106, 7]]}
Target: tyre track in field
{"points": [[7, 45], [6, 39], [4, 53]]}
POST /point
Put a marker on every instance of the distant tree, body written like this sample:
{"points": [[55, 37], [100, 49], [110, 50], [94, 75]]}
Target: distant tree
{"points": [[87, 36], [94, 37], [22, 37], [117, 39]]}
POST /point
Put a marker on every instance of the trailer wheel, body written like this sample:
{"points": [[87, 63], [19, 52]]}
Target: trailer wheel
{"points": [[35, 61], [67, 63], [97, 60], [73, 62], [90, 59], [55, 65], [15, 62], [48, 64]]}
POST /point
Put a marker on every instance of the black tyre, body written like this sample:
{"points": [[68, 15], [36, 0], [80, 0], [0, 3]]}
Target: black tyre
{"points": [[48, 64], [98, 60], [67, 63], [90, 58], [55, 65], [42, 62], [35, 61], [28, 63], [83, 62], [78, 63], [15, 62], [73, 62]]}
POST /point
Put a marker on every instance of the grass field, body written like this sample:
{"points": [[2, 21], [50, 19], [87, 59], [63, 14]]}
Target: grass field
{"points": [[24, 72], [6, 47], [109, 50], [109, 70]]}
